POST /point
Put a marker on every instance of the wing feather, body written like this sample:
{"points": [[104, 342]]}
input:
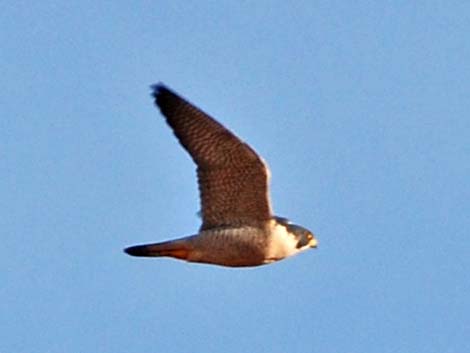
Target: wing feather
{"points": [[232, 178]]}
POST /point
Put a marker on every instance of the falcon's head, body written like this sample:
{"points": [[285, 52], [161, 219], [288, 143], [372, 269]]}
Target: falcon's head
{"points": [[305, 238]]}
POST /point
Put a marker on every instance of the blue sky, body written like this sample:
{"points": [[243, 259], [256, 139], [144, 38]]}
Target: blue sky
{"points": [[361, 110]]}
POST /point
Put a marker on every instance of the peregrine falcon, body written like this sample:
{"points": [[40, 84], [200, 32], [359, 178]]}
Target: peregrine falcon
{"points": [[238, 227]]}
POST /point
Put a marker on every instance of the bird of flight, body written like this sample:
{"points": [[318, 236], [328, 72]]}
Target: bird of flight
{"points": [[238, 227]]}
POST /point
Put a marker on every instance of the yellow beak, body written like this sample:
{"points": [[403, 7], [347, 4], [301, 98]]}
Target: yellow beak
{"points": [[313, 243]]}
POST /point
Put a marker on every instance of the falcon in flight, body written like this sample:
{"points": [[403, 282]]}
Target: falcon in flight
{"points": [[238, 227]]}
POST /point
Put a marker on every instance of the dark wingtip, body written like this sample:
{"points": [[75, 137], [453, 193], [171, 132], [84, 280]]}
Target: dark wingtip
{"points": [[159, 88], [161, 93]]}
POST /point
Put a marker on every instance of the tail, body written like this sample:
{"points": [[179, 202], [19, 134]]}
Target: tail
{"points": [[178, 249]]}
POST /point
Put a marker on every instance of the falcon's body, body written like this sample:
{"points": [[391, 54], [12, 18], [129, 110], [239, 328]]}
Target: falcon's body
{"points": [[238, 227]]}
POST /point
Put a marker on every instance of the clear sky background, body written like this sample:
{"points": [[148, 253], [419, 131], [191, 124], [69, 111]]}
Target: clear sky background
{"points": [[361, 110]]}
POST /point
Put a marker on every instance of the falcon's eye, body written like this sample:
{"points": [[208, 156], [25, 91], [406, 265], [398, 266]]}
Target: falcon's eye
{"points": [[309, 236]]}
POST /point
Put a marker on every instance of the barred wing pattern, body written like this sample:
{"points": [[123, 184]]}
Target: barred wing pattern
{"points": [[233, 179]]}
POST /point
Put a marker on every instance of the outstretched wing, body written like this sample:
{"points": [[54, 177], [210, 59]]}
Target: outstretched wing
{"points": [[233, 179]]}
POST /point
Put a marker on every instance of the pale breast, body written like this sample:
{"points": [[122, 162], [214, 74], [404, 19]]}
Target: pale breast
{"points": [[281, 243]]}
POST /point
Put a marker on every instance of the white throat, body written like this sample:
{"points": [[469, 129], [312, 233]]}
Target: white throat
{"points": [[282, 244]]}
